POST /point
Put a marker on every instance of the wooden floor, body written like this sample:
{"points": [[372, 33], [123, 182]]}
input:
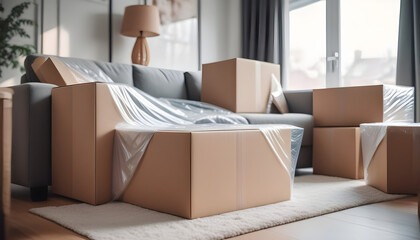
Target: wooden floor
{"points": [[389, 220]]}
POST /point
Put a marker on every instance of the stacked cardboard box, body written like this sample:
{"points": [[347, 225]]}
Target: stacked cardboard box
{"points": [[199, 173], [337, 152], [338, 113], [240, 85]]}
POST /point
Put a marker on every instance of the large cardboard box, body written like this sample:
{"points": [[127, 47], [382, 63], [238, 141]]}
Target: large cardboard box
{"points": [[203, 173], [395, 165], [84, 117], [337, 152], [352, 106], [185, 173], [240, 85]]}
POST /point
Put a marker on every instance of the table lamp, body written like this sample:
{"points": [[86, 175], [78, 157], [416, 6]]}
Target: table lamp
{"points": [[141, 21]]}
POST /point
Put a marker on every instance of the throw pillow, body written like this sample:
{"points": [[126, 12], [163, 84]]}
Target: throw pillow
{"points": [[277, 96]]}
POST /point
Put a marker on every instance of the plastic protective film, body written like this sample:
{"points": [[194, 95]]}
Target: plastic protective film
{"points": [[89, 71], [398, 104], [131, 142], [144, 115], [372, 135]]}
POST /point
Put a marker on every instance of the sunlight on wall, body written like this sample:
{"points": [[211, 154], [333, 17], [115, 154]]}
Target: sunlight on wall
{"points": [[64, 48], [50, 42]]}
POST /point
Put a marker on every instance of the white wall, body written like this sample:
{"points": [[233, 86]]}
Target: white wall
{"points": [[220, 30], [76, 28], [12, 76], [50, 41], [83, 31]]}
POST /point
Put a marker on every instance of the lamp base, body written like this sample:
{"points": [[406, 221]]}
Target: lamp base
{"points": [[141, 53]]}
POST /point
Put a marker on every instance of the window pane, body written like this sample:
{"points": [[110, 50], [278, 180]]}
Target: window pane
{"points": [[369, 38], [307, 47]]}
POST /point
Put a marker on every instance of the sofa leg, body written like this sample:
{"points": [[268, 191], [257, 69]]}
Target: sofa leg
{"points": [[3, 227], [39, 194]]}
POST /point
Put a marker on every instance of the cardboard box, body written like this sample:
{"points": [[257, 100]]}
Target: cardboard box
{"points": [[53, 71], [83, 122], [5, 156], [205, 173], [240, 85], [337, 152], [352, 106], [199, 173], [395, 166]]}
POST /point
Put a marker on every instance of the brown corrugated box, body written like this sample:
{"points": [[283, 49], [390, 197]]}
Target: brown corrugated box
{"points": [[210, 172], [5, 155], [240, 85], [83, 122], [53, 71], [348, 106], [337, 152], [189, 174], [395, 166]]}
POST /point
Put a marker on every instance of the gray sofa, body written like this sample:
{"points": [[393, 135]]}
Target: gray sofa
{"points": [[31, 153]]}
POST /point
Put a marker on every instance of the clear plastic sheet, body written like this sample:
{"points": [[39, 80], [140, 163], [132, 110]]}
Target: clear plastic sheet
{"points": [[139, 108], [89, 73], [372, 135], [144, 115], [398, 104]]}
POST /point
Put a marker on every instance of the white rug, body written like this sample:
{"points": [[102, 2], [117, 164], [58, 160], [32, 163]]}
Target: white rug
{"points": [[313, 195]]}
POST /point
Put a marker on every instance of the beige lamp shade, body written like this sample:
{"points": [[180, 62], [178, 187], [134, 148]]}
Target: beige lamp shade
{"points": [[141, 18]]}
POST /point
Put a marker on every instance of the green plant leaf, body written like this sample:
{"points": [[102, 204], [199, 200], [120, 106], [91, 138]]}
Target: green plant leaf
{"points": [[10, 27]]}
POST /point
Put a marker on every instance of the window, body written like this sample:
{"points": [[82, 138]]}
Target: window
{"points": [[307, 47], [342, 42]]}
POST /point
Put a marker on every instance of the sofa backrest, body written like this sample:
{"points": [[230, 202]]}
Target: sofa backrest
{"points": [[154, 81], [159, 82]]}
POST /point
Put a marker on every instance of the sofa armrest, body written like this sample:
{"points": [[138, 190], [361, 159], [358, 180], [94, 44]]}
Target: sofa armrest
{"points": [[299, 101], [31, 134]]}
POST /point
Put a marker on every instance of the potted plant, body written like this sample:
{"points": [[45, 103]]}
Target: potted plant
{"points": [[10, 27]]}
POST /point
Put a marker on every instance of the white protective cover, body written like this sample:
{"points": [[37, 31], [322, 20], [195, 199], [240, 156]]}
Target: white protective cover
{"points": [[372, 135], [144, 115], [398, 104]]}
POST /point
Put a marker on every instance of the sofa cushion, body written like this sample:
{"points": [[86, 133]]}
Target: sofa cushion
{"points": [[299, 101], [160, 82], [193, 82], [302, 120]]}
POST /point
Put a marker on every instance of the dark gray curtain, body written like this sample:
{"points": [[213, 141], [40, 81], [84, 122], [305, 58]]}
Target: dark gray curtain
{"points": [[408, 60], [258, 29], [262, 31]]}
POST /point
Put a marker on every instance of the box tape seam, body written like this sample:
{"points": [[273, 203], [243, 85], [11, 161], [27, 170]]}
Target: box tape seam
{"points": [[240, 170], [257, 85]]}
